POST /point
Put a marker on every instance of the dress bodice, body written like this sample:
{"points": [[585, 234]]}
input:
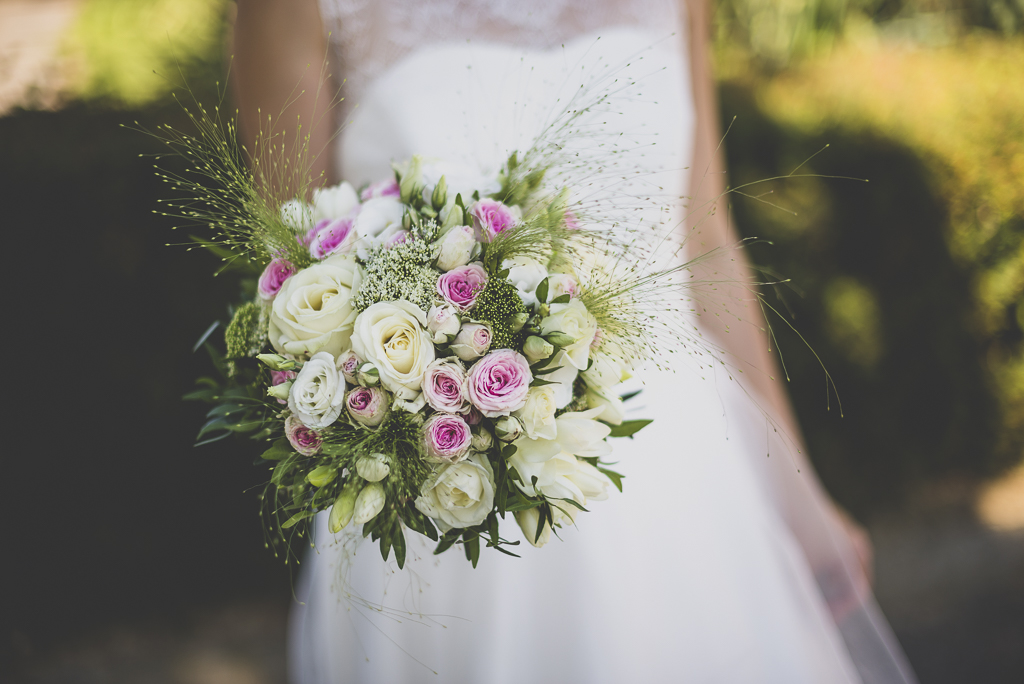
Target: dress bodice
{"points": [[368, 36]]}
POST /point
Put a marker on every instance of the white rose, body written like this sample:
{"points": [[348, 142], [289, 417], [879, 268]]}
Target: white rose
{"points": [[335, 202], [297, 215], [317, 395], [459, 494], [313, 311], [526, 274], [391, 336], [574, 320], [538, 415], [457, 248], [559, 474]]}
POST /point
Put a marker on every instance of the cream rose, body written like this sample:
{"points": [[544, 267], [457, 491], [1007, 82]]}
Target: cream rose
{"points": [[459, 494], [538, 415], [392, 336], [317, 394], [313, 310], [574, 320]]}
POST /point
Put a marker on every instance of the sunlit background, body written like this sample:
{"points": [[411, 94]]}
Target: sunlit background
{"points": [[138, 558]]}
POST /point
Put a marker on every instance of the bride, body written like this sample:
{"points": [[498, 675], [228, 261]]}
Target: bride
{"points": [[724, 561]]}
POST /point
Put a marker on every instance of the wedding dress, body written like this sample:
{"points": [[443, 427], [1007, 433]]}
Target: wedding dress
{"points": [[718, 563]]}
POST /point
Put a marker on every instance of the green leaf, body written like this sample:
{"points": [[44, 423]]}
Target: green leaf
{"points": [[208, 394], [398, 541], [629, 395], [280, 450], [540, 382], [561, 299], [296, 519], [629, 428], [472, 547], [447, 540], [542, 291], [573, 502], [509, 451], [544, 371], [615, 477]]}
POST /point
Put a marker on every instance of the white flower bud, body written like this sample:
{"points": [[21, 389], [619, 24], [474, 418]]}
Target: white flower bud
{"points": [[528, 520], [324, 475], [348, 364], [277, 362], [456, 248], [443, 323], [560, 338], [341, 512], [279, 391], [508, 428], [369, 503], [537, 348], [482, 440], [472, 342], [373, 468], [368, 375]]}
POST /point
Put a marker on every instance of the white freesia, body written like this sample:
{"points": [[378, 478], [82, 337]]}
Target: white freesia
{"points": [[392, 336], [574, 320], [334, 202], [456, 248], [317, 394], [459, 494], [559, 474], [297, 215], [313, 311], [526, 274], [538, 415]]}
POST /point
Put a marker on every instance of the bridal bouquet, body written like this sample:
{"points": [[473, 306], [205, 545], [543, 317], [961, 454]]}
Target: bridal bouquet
{"points": [[431, 352]]}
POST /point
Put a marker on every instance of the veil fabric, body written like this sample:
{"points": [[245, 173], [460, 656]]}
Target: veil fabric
{"points": [[723, 561]]}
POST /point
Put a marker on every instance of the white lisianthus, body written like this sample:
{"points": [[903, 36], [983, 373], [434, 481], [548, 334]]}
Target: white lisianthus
{"points": [[458, 494], [317, 395], [526, 274], [297, 215], [392, 336], [334, 202], [456, 248], [612, 409], [559, 474], [538, 415], [313, 311], [574, 320]]}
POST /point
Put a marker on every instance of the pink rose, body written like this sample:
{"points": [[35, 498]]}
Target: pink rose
{"points": [[367, 405], [498, 383], [384, 188], [491, 217], [279, 378], [273, 277], [444, 382], [446, 437], [304, 440], [348, 364], [460, 286], [472, 342], [330, 236]]}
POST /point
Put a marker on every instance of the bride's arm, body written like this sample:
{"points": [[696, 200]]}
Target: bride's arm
{"points": [[279, 70], [746, 345]]}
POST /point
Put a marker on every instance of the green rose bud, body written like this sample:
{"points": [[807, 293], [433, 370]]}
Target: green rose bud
{"points": [[519, 320], [412, 180], [560, 339], [341, 512], [280, 391], [440, 194], [277, 362], [536, 348], [508, 428]]}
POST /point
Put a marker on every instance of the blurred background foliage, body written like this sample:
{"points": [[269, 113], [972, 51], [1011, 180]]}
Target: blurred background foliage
{"points": [[910, 287]]}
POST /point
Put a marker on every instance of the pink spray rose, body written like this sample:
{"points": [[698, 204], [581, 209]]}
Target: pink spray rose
{"points": [[499, 382], [491, 217], [460, 286], [472, 342], [274, 275], [444, 382], [384, 188], [304, 440], [348, 364], [367, 405], [330, 236], [279, 378], [446, 437]]}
